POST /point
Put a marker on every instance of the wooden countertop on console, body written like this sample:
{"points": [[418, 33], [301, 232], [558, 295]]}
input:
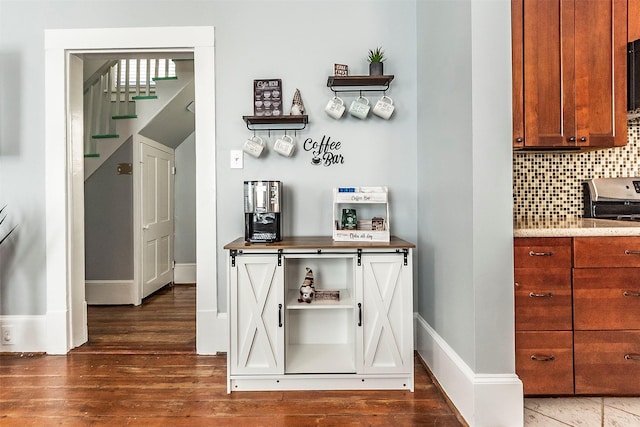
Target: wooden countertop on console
{"points": [[318, 242]]}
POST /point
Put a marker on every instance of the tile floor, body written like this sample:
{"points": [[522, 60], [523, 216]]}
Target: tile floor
{"points": [[582, 412]]}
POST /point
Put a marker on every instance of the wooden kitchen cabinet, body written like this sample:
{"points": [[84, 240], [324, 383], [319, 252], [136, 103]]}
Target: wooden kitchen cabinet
{"points": [[633, 29], [569, 74], [364, 340], [544, 362], [607, 362], [543, 315], [606, 307]]}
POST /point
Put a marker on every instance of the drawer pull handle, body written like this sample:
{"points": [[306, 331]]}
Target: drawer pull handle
{"points": [[632, 356], [630, 252], [543, 358], [547, 295], [631, 294], [532, 253]]}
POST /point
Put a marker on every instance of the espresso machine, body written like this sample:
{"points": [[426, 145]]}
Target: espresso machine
{"points": [[262, 221]]}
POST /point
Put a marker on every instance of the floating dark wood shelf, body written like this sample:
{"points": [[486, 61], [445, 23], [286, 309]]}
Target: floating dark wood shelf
{"points": [[276, 122], [340, 81]]}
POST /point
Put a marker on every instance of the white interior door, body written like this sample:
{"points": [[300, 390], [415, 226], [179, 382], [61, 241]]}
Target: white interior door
{"points": [[157, 199]]}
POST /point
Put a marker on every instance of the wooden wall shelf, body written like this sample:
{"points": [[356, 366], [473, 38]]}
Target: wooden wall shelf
{"points": [[289, 122], [359, 83]]}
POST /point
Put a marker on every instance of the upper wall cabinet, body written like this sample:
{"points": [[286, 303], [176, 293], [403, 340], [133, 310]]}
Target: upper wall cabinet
{"points": [[634, 20], [569, 74]]}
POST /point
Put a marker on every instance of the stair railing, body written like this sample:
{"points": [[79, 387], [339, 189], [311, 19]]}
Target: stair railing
{"points": [[111, 92]]}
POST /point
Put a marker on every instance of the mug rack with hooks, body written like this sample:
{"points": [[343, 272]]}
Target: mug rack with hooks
{"points": [[359, 84], [279, 123]]}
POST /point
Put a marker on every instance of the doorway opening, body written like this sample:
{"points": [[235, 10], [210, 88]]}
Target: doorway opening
{"points": [[66, 317]]}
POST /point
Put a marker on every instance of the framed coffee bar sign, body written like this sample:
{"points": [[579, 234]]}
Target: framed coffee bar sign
{"points": [[267, 97]]}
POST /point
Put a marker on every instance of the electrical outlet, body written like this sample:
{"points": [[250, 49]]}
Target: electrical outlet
{"points": [[8, 335], [236, 159]]}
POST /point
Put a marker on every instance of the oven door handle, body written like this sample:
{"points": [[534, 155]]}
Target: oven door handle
{"points": [[630, 252]]}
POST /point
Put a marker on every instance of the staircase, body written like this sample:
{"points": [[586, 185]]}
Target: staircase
{"points": [[146, 96]]}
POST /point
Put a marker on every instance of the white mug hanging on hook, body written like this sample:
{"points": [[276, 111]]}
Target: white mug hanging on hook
{"points": [[284, 146], [253, 146], [384, 107], [335, 107], [360, 107]]}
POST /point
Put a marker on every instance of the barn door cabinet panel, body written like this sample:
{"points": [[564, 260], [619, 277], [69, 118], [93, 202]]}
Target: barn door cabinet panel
{"points": [[256, 299], [363, 340], [569, 74]]}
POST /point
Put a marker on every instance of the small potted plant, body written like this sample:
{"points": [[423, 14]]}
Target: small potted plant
{"points": [[376, 59]]}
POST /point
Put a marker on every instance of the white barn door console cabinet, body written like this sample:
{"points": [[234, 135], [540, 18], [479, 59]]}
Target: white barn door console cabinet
{"points": [[357, 334]]}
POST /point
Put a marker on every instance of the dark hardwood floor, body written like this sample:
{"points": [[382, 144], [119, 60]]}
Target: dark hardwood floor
{"points": [[140, 368], [165, 323]]}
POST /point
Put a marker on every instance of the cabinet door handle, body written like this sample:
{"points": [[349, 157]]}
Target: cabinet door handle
{"points": [[543, 358], [532, 253], [547, 295], [572, 139], [359, 314], [631, 294], [519, 139], [583, 139], [280, 315], [630, 252], [632, 356]]}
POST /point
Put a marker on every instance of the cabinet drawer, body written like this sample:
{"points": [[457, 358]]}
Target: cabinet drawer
{"points": [[607, 362], [544, 362], [606, 252], [543, 252], [606, 298], [543, 299]]}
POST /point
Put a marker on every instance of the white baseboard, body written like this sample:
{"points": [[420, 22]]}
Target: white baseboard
{"points": [[214, 339], [110, 292], [482, 399], [29, 334], [184, 273]]}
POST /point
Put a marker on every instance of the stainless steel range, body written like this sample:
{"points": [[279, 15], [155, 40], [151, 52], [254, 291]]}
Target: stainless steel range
{"points": [[612, 198]]}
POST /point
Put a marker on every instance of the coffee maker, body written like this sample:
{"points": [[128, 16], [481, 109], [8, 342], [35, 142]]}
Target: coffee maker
{"points": [[262, 221]]}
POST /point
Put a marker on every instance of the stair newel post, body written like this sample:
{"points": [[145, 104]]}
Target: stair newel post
{"points": [[108, 103], [118, 84]]}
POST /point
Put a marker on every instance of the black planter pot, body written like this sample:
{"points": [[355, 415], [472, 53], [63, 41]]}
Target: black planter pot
{"points": [[376, 68]]}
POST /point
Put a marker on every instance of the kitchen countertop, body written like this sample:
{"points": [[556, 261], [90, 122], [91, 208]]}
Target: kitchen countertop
{"points": [[574, 226]]}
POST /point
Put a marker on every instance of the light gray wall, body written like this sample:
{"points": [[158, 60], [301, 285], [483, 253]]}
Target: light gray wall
{"points": [[185, 202], [108, 219], [464, 195], [297, 41]]}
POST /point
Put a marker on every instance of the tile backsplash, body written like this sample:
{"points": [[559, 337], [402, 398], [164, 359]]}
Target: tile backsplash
{"points": [[550, 184]]}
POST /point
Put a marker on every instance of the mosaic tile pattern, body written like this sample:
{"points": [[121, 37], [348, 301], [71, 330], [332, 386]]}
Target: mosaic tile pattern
{"points": [[549, 185]]}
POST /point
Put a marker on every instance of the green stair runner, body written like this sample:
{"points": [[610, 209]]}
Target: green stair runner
{"points": [[139, 97], [156, 79], [105, 136], [125, 116], [91, 155]]}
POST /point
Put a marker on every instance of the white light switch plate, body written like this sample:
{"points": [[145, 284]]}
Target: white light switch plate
{"points": [[236, 159]]}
